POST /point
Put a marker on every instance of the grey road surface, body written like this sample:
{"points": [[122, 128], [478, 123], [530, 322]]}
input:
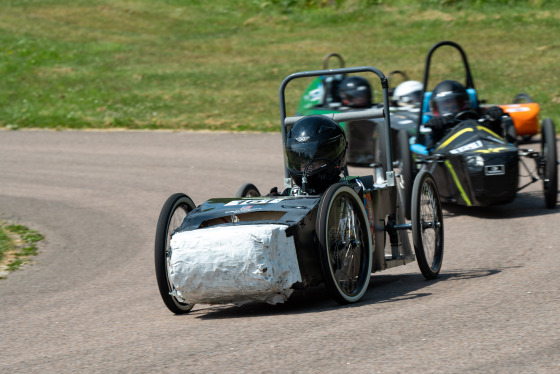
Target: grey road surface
{"points": [[89, 302]]}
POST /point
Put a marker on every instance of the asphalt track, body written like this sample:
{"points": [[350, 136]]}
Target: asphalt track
{"points": [[89, 302]]}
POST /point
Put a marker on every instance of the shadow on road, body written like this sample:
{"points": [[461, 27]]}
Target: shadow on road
{"points": [[526, 204], [382, 289]]}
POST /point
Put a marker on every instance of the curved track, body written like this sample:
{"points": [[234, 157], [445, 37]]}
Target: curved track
{"points": [[90, 303]]}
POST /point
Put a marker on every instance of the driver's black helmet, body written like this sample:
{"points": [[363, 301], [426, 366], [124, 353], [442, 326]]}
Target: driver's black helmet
{"points": [[355, 92], [318, 143], [449, 98]]}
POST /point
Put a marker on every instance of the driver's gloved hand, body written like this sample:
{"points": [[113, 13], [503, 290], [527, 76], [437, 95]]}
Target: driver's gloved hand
{"points": [[495, 113], [273, 192], [437, 123]]}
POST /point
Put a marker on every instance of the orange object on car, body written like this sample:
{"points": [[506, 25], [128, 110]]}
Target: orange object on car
{"points": [[525, 117]]}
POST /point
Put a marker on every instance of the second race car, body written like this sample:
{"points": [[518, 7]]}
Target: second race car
{"points": [[471, 149]]}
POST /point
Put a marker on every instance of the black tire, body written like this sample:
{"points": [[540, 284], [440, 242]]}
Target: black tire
{"points": [[248, 190], [345, 250], [549, 163], [404, 164], [171, 217], [522, 98], [427, 225]]}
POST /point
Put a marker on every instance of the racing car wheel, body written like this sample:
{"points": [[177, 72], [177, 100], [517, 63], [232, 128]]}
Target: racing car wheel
{"points": [[427, 225], [549, 163], [248, 190], [345, 248], [171, 217]]}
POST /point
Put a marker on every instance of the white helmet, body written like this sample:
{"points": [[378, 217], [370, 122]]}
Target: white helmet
{"points": [[408, 93]]}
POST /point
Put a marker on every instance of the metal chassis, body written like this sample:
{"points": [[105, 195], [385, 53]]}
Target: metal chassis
{"points": [[529, 153], [387, 211]]}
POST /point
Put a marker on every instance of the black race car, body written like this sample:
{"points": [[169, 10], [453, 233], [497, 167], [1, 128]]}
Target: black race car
{"points": [[476, 162], [260, 248]]}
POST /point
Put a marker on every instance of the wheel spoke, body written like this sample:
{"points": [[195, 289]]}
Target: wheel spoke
{"points": [[429, 220], [427, 225], [346, 245]]}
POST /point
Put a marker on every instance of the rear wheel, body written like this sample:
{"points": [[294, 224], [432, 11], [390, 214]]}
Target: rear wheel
{"points": [[404, 164], [427, 225], [345, 244], [248, 190], [523, 98], [170, 219], [549, 162]]}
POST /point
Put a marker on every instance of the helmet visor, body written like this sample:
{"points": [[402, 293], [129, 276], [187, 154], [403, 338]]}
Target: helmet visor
{"points": [[411, 98], [300, 154], [358, 97], [450, 104]]}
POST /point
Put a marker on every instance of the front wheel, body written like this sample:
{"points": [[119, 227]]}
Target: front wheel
{"points": [[248, 190], [549, 163], [170, 219], [427, 225], [345, 243]]}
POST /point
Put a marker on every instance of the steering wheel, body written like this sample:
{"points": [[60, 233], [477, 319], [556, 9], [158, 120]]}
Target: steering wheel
{"points": [[466, 114]]}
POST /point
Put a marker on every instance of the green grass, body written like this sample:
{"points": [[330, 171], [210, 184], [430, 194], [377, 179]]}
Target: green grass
{"points": [[16, 252], [217, 65], [6, 244]]}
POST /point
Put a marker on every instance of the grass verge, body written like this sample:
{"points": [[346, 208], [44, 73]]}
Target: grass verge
{"points": [[17, 244], [178, 64]]}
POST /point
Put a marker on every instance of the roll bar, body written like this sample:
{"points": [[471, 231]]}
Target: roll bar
{"points": [[329, 56], [340, 117], [469, 83]]}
